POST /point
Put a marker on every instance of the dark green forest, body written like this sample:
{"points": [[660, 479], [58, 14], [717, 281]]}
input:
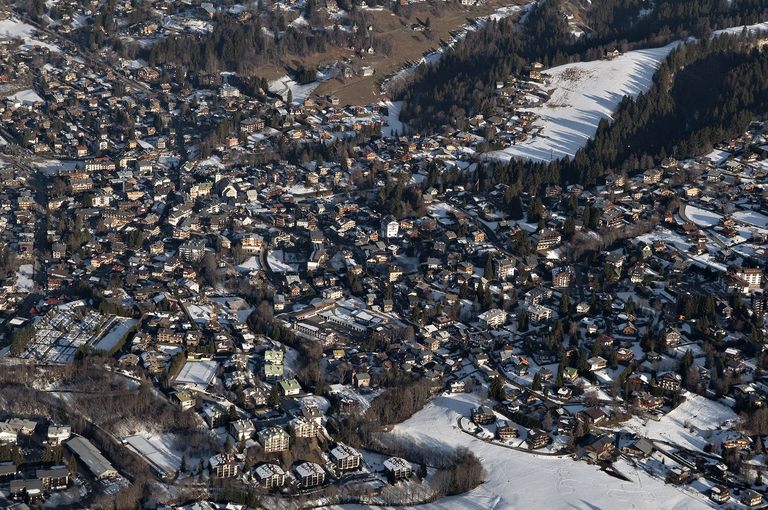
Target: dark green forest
{"points": [[704, 93]]}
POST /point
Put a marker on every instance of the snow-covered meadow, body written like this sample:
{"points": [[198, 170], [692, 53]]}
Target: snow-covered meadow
{"points": [[582, 94], [520, 480]]}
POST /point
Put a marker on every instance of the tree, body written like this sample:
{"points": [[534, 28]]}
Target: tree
{"points": [[536, 384], [522, 321], [274, 397], [422, 470], [72, 465], [496, 390], [489, 272]]}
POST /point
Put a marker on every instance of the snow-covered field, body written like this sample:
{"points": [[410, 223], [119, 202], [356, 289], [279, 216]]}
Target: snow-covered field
{"points": [[24, 275], [583, 94], [393, 119], [751, 218], [252, 264], [299, 93], [517, 480], [111, 339], [28, 96], [698, 414], [751, 29], [157, 450], [11, 28], [277, 263], [702, 217]]}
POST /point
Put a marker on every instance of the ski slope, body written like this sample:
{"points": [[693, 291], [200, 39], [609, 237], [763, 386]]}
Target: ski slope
{"points": [[582, 94]]}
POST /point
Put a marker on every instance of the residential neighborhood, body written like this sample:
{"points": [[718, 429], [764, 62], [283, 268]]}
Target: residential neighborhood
{"points": [[218, 295]]}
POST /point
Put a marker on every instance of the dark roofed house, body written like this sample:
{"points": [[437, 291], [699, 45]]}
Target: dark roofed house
{"points": [[89, 455]]}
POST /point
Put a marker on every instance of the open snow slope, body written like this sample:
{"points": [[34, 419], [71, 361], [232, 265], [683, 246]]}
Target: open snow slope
{"points": [[692, 424], [517, 480], [583, 94], [12, 28]]}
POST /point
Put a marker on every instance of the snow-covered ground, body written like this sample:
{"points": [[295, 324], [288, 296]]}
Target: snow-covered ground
{"points": [[24, 282], [157, 450], [252, 264], [111, 339], [521, 480], [582, 94], [751, 218], [12, 28], [393, 119], [692, 424], [702, 217], [751, 29], [299, 93], [28, 96], [277, 263]]}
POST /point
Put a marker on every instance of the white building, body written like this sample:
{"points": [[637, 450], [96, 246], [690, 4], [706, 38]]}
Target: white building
{"points": [[270, 475], [309, 474], [492, 318], [390, 227], [345, 458], [398, 468], [538, 313]]}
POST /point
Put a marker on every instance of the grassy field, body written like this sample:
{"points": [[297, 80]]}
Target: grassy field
{"points": [[407, 45]]}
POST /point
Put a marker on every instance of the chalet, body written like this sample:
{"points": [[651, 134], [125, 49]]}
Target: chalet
{"points": [[483, 415], [593, 416], [751, 498], [548, 239], [596, 363], [537, 438], [736, 441], [641, 448], [600, 449], [669, 381], [719, 494], [505, 430], [678, 475]]}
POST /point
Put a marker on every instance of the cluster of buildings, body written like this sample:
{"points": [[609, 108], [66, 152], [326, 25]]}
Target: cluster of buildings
{"points": [[41, 459], [200, 235]]}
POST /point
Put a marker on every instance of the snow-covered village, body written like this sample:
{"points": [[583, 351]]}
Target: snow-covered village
{"points": [[262, 277]]}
